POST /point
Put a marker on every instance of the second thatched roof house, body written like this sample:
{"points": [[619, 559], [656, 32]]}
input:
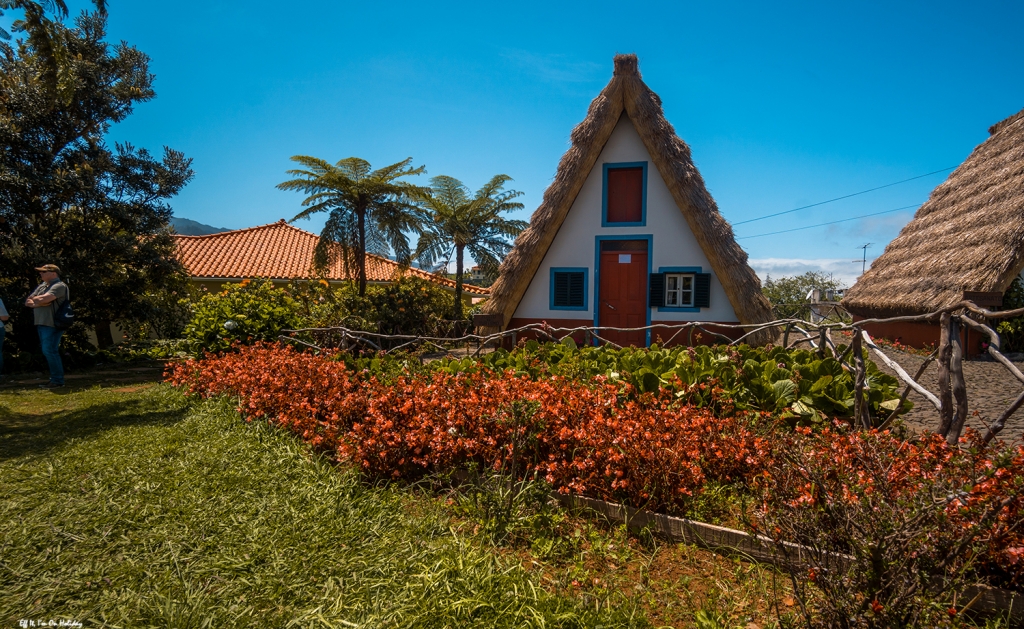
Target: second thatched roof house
{"points": [[627, 234], [966, 240]]}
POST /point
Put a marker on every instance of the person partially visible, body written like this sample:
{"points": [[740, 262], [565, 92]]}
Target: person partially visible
{"points": [[44, 301], [4, 316]]}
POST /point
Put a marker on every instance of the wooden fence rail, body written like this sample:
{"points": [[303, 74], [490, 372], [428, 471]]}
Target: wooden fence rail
{"points": [[950, 401]]}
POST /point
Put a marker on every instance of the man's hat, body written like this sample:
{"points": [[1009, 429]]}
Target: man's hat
{"points": [[49, 267]]}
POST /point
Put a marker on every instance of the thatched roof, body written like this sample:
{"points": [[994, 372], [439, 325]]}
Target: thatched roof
{"points": [[968, 236], [626, 94]]}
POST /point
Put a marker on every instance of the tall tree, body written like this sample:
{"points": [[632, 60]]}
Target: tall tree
{"points": [[789, 295], [66, 197], [369, 210], [45, 39], [457, 221]]}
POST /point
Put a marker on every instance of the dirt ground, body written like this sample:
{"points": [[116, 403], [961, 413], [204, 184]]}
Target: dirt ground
{"points": [[991, 388]]}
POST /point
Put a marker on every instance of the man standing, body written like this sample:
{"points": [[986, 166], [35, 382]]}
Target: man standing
{"points": [[44, 301]]}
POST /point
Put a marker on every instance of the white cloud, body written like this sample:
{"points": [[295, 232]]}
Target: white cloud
{"points": [[843, 269], [554, 68]]}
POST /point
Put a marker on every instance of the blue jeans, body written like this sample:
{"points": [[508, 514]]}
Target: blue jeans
{"points": [[49, 341]]}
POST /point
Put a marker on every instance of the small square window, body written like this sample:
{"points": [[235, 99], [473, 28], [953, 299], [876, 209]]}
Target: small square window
{"points": [[679, 290]]}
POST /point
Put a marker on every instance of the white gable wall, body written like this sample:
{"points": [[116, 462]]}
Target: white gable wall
{"points": [[574, 246]]}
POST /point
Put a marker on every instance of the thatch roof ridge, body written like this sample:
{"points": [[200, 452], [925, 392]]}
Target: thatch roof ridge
{"points": [[627, 94], [1006, 122], [968, 236]]}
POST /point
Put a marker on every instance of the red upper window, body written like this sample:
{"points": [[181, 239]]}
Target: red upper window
{"points": [[625, 195]]}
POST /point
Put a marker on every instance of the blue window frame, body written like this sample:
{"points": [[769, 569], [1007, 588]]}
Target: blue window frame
{"points": [[679, 269], [568, 288], [604, 194], [597, 271]]}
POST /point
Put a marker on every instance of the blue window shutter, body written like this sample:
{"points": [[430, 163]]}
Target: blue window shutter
{"points": [[657, 290], [702, 290], [568, 290]]}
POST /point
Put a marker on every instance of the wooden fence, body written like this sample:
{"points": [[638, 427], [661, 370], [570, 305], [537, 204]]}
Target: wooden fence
{"points": [[950, 400]]}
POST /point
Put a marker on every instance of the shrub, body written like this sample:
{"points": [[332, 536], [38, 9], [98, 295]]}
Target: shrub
{"points": [[408, 306], [1011, 331], [250, 311], [895, 528], [411, 306]]}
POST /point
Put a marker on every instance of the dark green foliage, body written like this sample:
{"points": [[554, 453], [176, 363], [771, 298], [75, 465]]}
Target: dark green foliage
{"points": [[788, 295], [1011, 331], [408, 306], [43, 35], [247, 312], [67, 198]]}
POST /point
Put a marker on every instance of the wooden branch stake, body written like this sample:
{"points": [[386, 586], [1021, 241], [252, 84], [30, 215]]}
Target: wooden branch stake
{"points": [[895, 366], [908, 388], [945, 393], [956, 375], [996, 427], [860, 411]]}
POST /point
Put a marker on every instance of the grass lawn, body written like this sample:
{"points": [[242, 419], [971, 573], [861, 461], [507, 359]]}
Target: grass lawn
{"points": [[127, 506]]}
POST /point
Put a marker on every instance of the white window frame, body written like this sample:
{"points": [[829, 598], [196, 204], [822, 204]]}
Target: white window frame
{"points": [[682, 295]]}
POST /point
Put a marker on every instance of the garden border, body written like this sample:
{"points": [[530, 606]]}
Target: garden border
{"points": [[986, 600]]}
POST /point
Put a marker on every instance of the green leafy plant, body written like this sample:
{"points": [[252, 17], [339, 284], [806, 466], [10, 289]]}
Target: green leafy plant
{"points": [[800, 385], [253, 310], [409, 305], [1011, 331]]}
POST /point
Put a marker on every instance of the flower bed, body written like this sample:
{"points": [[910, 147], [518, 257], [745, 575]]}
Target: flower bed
{"points": [[604, 438], [595, 438]]}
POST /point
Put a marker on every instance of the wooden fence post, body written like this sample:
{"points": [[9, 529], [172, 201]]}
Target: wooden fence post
{"points": [[821, 342], [860, 410], [956, 376], [785, 335], [945, 393]]}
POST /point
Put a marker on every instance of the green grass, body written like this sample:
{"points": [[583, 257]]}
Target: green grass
{"points": [[131, 507]]}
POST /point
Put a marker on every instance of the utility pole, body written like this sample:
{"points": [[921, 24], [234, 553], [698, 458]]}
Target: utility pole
{"points": [[864, 260]]}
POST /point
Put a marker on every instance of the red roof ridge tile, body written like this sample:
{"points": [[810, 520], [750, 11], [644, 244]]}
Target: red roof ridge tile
{"points": [[278, 223]]}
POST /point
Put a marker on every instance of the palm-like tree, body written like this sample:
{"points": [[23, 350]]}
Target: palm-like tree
{"points": [[456, 222], [46, 40], [370, 210]]}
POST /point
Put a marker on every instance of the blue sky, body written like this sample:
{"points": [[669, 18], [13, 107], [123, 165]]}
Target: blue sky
{"points": [[783, 105]]}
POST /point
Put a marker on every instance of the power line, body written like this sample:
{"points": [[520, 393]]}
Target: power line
{"points": [[796, 229], [888, 185]]}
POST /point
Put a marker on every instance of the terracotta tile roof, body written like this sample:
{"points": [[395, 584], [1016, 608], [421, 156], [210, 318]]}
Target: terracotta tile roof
{"points": [[282, 252]]}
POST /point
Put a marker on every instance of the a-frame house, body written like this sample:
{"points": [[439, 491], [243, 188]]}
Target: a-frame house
{"points": [[627, 235]]}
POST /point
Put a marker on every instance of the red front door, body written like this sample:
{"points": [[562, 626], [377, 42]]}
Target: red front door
{"points": [[622, 293]]}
